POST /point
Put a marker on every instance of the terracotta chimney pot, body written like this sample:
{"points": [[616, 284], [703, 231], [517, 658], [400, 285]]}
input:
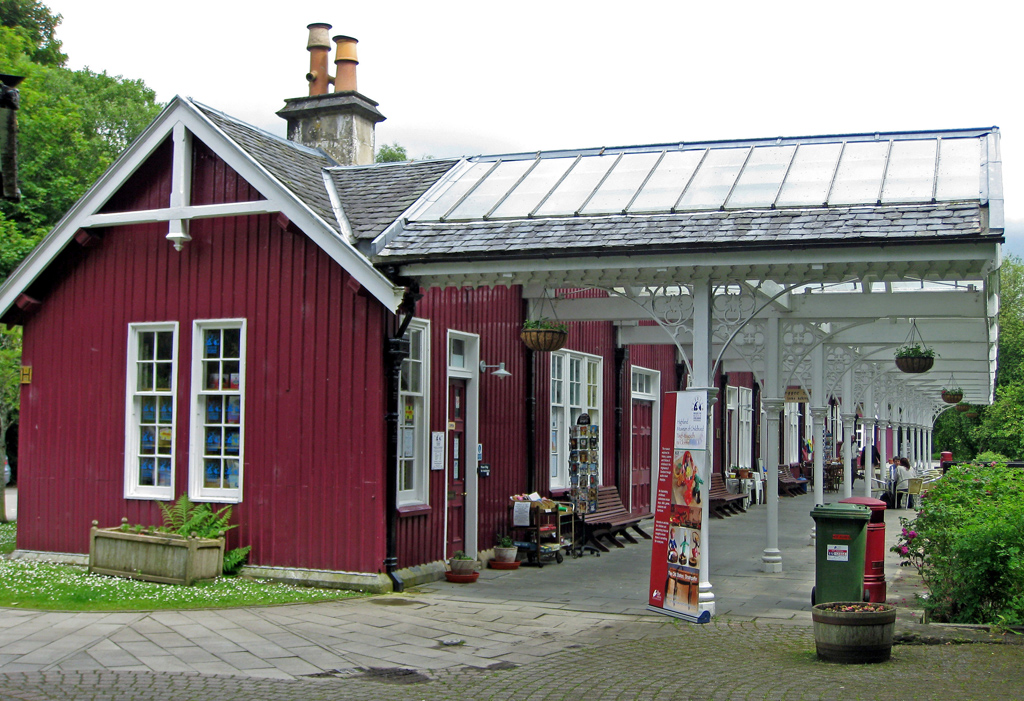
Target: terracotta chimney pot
{"points": [[345, 63], [319, 46]]}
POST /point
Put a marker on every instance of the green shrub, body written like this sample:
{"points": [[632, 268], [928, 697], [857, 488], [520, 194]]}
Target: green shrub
{"points": [[989, 457], [968, 544]]}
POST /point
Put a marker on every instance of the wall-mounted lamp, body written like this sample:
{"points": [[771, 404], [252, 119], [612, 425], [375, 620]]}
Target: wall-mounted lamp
{"points": [[501, 373]]}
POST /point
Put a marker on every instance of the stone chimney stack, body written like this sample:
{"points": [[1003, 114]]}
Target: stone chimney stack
{"points": [[341, 123]]}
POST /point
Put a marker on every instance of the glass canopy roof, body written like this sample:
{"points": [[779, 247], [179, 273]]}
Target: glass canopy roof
{"points": [[903, 168]]}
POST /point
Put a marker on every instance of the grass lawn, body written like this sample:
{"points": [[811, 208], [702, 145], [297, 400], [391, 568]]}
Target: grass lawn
{"points": [[37, 585]]}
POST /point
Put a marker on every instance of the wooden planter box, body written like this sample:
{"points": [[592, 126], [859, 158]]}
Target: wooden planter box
{"points": [[165, 558]]}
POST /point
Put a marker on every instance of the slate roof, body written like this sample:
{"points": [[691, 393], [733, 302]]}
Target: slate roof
{"points": [[694, 231], [297, 167], [373, 197]]}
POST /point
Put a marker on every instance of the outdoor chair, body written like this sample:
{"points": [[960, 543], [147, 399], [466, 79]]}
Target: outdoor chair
{"points": [[913, 489]]}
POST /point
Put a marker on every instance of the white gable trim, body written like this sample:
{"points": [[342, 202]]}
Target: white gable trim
{"points": [[85, 212]]}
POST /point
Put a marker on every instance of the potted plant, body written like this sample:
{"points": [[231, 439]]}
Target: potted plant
{"points": [[505, 553], [915, 358], [544, 335], [952, 395], [963, 407], [853, 632], [462, 568]]}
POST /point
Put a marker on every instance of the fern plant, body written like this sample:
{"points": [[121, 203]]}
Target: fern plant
{"points": [[185, 518]]}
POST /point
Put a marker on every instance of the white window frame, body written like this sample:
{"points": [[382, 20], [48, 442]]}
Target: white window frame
{"points": [[564, 413], [196, 489], [745, 411], [132, 488], [418, 493]]}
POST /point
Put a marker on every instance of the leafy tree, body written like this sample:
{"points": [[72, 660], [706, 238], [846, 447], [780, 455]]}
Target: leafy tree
{"points": [[391, 154], [36, 25], [1011, 321], [72, 125]]}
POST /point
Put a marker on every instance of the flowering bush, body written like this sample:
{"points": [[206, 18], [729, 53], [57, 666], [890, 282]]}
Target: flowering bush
{"points": [[967, 542]]}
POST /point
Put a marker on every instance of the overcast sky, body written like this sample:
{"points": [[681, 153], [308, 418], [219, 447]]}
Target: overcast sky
{"points": [[464, 78]]}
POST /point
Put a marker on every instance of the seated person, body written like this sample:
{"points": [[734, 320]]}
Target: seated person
{"points": [[904, 473]]}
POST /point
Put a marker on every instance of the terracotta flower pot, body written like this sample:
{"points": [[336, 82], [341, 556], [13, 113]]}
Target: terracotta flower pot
{"points": [[915, 364], [853, 637], [544, 340], [505, 554], [461, 577], [462, 566]]}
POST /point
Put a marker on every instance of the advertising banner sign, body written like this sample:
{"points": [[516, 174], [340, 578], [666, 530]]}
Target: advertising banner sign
{"points": [[679, 507]]}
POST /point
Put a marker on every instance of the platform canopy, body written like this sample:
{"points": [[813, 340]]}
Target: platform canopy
{"points": [[852, 241]]}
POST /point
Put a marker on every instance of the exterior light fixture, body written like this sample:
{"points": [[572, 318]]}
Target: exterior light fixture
{"points": [[501, 373]]}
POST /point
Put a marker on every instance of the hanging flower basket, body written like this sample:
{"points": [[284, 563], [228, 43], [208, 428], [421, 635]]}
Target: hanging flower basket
{"points": [[963, 408], [952, 396], [543, 335], [971, 414], [915, 364], [914, 356]]}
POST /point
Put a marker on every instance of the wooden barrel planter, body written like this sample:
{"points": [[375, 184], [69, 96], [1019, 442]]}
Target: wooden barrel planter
{"points": [[544, 340], [952, 397], [915, 364], [857, 636]]}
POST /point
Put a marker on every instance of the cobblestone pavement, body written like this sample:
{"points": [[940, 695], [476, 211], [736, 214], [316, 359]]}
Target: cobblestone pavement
{"points": [[567, 631], [736, 660]]}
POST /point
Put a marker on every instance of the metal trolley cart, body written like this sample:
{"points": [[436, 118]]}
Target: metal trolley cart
{"points": [[541, 540]]}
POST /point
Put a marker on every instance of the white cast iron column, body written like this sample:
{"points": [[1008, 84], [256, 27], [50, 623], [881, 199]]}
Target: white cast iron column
{"points": [[849, 417], [702, 379], [818, 409], [771, 558]]}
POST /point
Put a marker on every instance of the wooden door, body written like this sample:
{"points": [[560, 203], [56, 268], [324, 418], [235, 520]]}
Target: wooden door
{"points": [[640, 461], [456, 465]]}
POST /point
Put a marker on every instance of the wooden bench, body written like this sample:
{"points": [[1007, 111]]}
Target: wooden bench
{"points": [[610, 520], [723, 502], [789, 485]]}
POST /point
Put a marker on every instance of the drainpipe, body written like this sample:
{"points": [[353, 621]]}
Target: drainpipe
{"points": [[531, 421], [396, 351], [622, 471]]}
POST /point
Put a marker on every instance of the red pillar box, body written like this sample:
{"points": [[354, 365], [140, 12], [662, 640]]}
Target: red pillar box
{"points": [[874, 551]]}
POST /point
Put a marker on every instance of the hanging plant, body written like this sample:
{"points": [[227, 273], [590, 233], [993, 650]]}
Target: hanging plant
{"points": [[971, 414], [963, 408], [544, 335], [952, 396], [914, 356], [952, 392]]}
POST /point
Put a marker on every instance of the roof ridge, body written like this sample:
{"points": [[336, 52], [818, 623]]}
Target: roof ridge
{"points": [[973, 132], [423, 161], [263, 132]]}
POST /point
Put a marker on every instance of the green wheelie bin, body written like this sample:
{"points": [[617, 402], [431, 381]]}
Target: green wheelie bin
{"points": [[840, 540]]}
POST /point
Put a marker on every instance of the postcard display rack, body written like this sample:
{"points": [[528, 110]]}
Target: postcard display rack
{"points": [[584, 458]]}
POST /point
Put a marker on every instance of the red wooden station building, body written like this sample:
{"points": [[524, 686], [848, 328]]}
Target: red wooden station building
{"points": [[269, 323]]}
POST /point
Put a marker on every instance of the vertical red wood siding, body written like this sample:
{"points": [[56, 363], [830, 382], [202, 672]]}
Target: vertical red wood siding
{"points": [[496, 315], [315, 399]]}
